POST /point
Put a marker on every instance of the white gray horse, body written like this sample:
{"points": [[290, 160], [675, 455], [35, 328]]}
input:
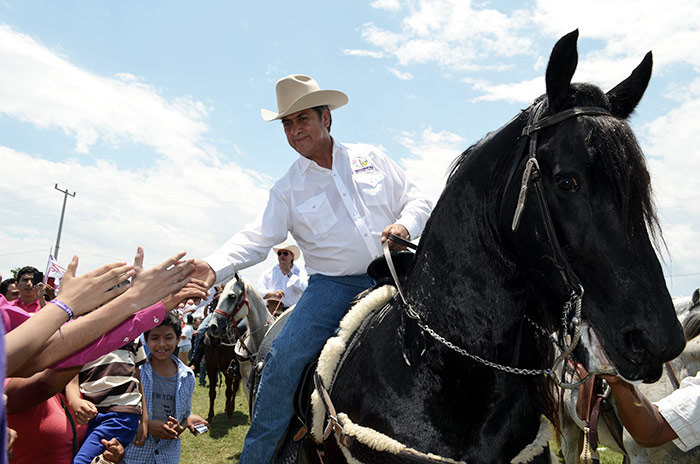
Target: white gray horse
{"points": [[687, 364], [239, 300]]}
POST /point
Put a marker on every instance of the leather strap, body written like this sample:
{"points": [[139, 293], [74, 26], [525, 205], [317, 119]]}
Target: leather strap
{"points": [[392, 269], [563, 115], [672, 375], [333, 424]]}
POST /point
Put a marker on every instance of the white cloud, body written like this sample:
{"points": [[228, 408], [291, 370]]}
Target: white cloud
{"points": [[404, 76], [464, 36], [522, 92], [115, 210], [671, 28], [455, 34], [432, 154], [364, 53], [45, 89], [186, 189], [389, 5], [671, 142]]}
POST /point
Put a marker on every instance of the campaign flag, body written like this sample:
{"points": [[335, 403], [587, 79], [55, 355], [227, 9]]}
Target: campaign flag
{"points": [[54, 273]]}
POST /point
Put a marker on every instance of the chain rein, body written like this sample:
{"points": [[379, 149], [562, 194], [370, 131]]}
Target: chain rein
{"points": [[575, 301]]}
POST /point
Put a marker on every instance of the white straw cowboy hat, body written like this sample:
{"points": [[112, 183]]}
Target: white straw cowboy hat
{"points": [[289, 247], [299, 92]]}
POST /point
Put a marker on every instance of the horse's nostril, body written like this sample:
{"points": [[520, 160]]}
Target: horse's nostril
{"points": [[640, 345]]}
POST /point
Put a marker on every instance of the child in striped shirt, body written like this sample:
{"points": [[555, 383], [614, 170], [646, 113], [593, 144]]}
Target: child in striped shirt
{"points": [[112, 400]]}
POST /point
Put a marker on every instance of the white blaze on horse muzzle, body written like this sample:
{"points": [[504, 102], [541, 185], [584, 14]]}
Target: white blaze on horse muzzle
{"points": [[598, 361]]}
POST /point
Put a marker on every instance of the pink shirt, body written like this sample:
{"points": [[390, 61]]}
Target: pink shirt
{"points": [[32, 307], [131, 328]]}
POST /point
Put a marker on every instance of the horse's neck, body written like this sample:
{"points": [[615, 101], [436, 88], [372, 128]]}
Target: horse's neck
{"points": [[258, 317], [479, 290]]}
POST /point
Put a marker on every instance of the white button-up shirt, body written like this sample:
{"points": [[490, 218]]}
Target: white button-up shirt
{"points": [[292, 286], [335, 215], [681, 409]]}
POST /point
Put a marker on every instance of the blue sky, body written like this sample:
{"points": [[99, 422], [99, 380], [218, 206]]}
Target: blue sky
{"points": [[150, 111]]}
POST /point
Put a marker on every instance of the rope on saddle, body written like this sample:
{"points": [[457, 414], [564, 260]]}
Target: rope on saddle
{"points": [[327, 420], [346, 432]]}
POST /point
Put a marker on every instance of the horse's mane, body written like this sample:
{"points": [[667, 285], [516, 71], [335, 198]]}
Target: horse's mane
{"points": [[621, 161], [624, 163]]}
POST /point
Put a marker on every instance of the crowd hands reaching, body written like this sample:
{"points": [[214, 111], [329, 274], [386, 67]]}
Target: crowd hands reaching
{"points": [[92, 315]]}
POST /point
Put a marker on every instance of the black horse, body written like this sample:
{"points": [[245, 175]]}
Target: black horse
{"points": [[542, 233]]}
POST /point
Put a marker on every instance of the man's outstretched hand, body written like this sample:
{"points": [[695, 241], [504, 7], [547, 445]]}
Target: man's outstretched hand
{"points": [[204, 274]]}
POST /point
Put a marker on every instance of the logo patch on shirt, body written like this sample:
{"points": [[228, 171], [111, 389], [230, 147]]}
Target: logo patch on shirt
{"points": [[361, 164]]}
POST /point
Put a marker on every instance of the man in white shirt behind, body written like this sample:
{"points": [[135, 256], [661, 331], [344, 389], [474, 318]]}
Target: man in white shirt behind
{"points": [[339, 202], [281, 285]]}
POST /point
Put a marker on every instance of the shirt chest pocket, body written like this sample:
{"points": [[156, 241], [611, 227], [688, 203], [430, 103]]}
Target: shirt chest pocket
{"points": [[317, 214], [372, 188]]}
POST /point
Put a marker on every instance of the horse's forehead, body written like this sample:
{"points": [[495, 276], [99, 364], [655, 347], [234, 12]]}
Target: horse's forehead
{"points": [[235, 285]]}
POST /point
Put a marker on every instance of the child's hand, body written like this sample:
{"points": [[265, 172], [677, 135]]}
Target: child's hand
{"points": [[193, 420], [141, 433], [176, 426], [161, 429], [84, 411], [114, 451]]}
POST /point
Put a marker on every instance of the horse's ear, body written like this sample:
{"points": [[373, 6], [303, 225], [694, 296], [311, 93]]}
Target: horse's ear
{"points": [[626, 95], [560, 70], [696, 296]]}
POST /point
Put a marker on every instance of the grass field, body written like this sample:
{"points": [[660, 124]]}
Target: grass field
{"points": [[224, 441]]}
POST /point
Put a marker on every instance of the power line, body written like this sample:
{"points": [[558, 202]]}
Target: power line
{"points": [[23, 252], [25, 199]]}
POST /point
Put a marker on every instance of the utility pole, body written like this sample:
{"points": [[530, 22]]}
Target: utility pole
{"points": [[60, 224]]}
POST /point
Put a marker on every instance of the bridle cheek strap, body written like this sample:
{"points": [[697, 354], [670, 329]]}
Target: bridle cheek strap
{"points": [[244, 302], [531, 175]]}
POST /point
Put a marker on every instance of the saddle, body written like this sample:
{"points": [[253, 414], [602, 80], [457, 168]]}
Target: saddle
{"points": [[295, 448], [378, 269]]}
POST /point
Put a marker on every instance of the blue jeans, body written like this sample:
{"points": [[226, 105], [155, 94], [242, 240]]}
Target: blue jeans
{"points": [[314, 320], [108, 425]]}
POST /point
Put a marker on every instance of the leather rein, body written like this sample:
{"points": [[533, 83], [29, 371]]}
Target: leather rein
{"points": [[531, 177]]}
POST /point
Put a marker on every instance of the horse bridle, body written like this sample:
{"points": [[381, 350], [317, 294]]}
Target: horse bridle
{"points": [[531, 175], [230, 318]]}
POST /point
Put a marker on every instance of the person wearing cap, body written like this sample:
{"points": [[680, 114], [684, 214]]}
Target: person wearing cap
{"points": [[281, 286], [340, 202]]}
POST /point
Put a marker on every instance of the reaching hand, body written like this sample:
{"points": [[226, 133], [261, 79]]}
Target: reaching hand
{"points": [[204, 273], [88, 291], [158, 282], [195, 289]]}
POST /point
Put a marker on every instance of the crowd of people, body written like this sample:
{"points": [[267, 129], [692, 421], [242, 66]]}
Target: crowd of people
{"points": [[79, 387], [78, 375], [122, 395]]}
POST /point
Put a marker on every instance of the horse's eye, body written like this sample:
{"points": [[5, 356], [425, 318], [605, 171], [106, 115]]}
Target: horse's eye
{"points": [[567, 183]]}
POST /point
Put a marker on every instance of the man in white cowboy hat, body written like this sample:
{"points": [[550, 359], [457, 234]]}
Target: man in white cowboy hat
{"points": [[339, 202], [284, 282]]}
